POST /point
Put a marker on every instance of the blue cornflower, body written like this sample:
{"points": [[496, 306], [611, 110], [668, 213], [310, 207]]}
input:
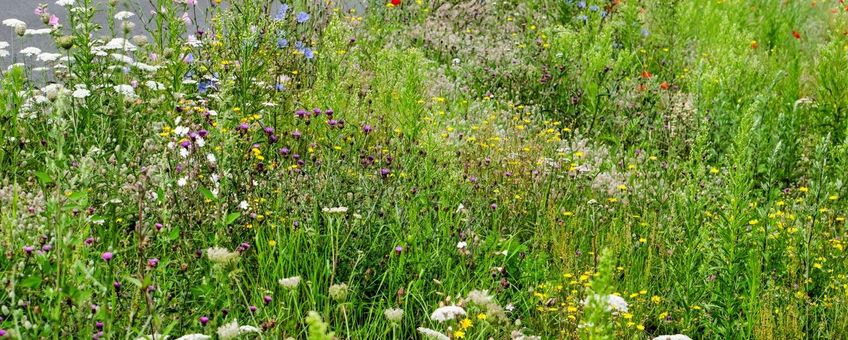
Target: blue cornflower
{"points": [[307, 52], [603, 14], [302, 17], [281, 13], [594, 8], [645, 32], [280, 87], [298, 45], [581, 4], [282, 43], [583, 18], [204, 85]]}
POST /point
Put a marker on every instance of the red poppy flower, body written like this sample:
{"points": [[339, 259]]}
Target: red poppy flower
{"points": [[395, 2], [796, 35], [664, 85], [646, 74]]}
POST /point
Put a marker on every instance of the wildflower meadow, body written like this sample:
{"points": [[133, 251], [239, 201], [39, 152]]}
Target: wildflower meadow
{"points": [[424, 169]]}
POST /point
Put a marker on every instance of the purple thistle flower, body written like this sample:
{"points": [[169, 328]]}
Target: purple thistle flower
{"points": [[252, 309], [284, 151], [267, 299], [99, 325], [385, 172], [296, 134], [202, 133], [152, 263], [398, 250], [158, 226], [268, 130], [329, 112], [204, 320], [316, 111], [107, 256], [301, 113], [28, 250], [367, 129], [185, 144], [117, 286], [332, 122], [46, 248], [243, 127]]}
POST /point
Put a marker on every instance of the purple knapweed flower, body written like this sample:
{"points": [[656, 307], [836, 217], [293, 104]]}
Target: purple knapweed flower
{"points": [[107, 256], [152, 263], [204, 320], [28, 250], [367, 129]]}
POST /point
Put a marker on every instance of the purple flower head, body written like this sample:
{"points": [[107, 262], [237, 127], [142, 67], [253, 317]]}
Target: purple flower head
{"points": [[252, 309], [367, 129], [398, 250], [267, 299], [308, 53], [189, 58], [385, 172], [152, 263], [273, 139], [28, 250], [301, 113], [204, 320], [282, 43], [302, 17], [46, 248], [280, 87], [472, 179], [494, 206], [243, 127], [243, 247], [329, 112], [107, 256], [296, 134], [185, 144], [284, 151], [158, 226], [316, 111], [117, 286], [203, 133], [268, 130], [332, 122], [99, 325], [3, 333], [281, 12]]}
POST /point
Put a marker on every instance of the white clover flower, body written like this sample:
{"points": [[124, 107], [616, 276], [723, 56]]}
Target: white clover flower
{"points": [[673, 337], [445, 313], [220, 255], [393, 314], [13, 22], [30, 51], [432, 334], [81, 93], [182, 182], [289, 282], [124, 15], [196, 336]]}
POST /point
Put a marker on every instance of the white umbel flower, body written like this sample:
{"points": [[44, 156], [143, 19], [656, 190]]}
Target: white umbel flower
{"points": [[65, 3], [249, 329], [196, 336], [13, 22], [30, 51], [612, 302], [445, 313], [119, 44], [393, 314], [432, 334], [229, 331], [220, 255], [289, 282], [125, 89], [81, 93], [156, 336], [336, 210], [124, 15], [673, 337], [47, 57], [40, 31]]}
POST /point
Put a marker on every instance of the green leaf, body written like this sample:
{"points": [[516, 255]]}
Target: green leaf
{"points": [[77, 195], [43, 177], [232, 217], [31, 282], [207, 194]]}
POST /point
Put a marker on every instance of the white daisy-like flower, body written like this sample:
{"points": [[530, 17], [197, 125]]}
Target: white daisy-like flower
{"points": [[196, 336], [393, 314], [432, 334], [30, 51], [154, 85], [13, 22], [229, 331], [445, 313], [183, 152], [65, 3], [48, 57], [120, 44], [211, 158], [81, 93], [40, 31], [673, 337], [124, 15], [243, 205], [200, 142], [289, 282], [182, 182], [220, 255]]}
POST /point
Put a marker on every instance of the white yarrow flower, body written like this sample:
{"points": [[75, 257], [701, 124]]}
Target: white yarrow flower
{"points": [[229, 331], [220, 255], [13, 22], [336, 210], [393, 314], [196, 336], [124, 15], [30, 51], [125, 89], [612, 302], [81, 93]]}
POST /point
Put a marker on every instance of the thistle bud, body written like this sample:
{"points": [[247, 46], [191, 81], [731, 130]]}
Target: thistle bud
{"points": [[65, 41]]}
